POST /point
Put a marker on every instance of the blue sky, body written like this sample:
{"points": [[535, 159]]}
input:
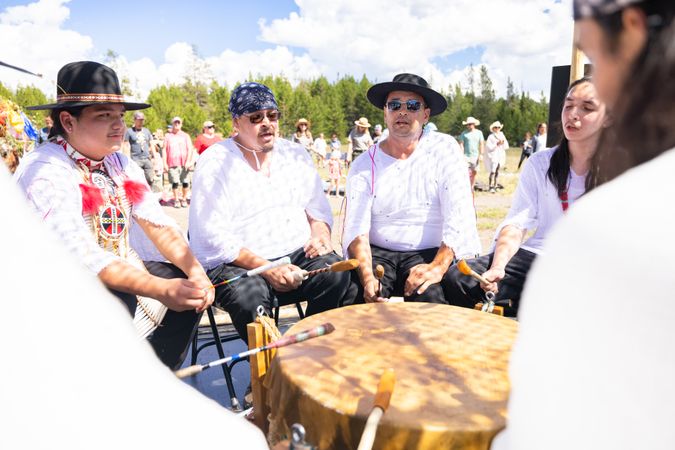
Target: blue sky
{"points": [[438, 39], [146, 28]]}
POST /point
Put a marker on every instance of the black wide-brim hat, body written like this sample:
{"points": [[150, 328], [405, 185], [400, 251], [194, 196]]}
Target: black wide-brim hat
{"points": [[377, 94], [86, 83]]}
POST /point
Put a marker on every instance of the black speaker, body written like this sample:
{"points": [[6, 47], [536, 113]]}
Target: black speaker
{"points": [[560, 81]]}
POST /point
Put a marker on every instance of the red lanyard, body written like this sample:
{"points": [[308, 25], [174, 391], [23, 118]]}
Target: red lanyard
{"points": [[564, 201]]}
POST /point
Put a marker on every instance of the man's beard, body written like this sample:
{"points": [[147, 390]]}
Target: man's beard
{"points": [[267, 147]]}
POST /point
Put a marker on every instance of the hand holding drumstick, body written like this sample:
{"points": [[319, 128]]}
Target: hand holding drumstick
{"points": [[488, 281]]}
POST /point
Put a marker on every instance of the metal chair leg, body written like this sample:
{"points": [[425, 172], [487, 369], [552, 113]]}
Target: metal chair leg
{"points": [[193, 348], [276, 307], [301, 313], [234, 402]]}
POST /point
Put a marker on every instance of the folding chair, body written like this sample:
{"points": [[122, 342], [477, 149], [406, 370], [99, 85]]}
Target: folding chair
{"points": [[218, 340]]}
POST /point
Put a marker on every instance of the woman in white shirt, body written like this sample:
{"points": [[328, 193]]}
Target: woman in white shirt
{"points": [[495, 153], [539, 139], [551, 180]]}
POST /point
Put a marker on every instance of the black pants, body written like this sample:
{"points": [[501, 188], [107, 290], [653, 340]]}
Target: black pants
{"points": [[146, 165], [172, 338], [463, 290], [524, 155], [242, 297], [397, 266]]}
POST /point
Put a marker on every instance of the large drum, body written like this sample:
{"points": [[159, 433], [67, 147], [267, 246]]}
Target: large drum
{"points": [[451, 376]]}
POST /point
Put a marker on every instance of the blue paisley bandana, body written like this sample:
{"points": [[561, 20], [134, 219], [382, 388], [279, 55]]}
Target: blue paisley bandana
{"points": [[251, 97]]}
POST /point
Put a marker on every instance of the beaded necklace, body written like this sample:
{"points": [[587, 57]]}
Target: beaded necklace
{"points": [[104, 203]]}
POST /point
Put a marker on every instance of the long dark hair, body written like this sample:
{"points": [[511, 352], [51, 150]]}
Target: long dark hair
{"points": [[559, 169], [57, 129], [643, 116]]}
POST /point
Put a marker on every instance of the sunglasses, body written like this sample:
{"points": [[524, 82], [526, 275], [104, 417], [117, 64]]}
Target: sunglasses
{"points": [[411, 105], [259, 116], [211, 126]]}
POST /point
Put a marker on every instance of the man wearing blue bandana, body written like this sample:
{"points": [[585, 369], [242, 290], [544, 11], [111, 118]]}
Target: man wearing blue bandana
{"points": [[257, 198]]}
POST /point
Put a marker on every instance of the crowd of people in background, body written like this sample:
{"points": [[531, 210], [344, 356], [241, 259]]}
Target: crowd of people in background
{"points": [[168, 157]]}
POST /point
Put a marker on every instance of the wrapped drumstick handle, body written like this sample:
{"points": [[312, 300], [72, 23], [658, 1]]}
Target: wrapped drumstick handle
{"points": [[466, 270], [340, 266], [256, 271], [321, 330], [384, 390]]}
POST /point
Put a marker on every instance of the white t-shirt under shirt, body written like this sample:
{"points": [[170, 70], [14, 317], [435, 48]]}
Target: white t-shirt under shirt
{"points": [[234, 207], [539, 142], [594, 362], [536, 204], [416, 203]]}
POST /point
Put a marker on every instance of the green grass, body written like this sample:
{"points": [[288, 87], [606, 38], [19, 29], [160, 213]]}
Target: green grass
{"points": [[491, 213]]}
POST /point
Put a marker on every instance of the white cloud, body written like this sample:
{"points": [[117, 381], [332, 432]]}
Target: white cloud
{"points": [[33, 38], [523, 39], [379, 38]]}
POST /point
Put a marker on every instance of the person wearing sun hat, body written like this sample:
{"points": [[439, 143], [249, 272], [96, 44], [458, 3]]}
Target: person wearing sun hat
{"points": [[594, 360], [359, 139], [495, 153], [96, 202], [409, 205], [472, 142], [303, 136], [207, 138]]}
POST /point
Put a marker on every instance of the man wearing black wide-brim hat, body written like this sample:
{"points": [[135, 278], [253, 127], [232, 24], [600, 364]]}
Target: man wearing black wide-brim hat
{"points": [[98, 203], [409, 206]]}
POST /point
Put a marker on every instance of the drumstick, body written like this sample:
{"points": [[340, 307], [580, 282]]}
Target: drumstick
{"points": [[340, 266], [379, 274], [321, 330], [466, 270], [380, 405], [256, 271]]}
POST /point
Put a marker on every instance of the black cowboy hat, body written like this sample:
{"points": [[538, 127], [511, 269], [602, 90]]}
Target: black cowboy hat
{"points": [[86, 83], [377, 94]]}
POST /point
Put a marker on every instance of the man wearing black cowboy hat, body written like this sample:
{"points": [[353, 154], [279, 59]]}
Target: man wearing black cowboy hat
{"points": [[409, 204], [96, 201]]}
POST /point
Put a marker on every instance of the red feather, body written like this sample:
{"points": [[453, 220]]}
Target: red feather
{"points": [[135, 190], [92, 199]]}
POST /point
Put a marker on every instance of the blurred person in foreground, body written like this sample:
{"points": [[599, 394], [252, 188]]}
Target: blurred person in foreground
{"points": [[85, 380], [594, 362]]}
